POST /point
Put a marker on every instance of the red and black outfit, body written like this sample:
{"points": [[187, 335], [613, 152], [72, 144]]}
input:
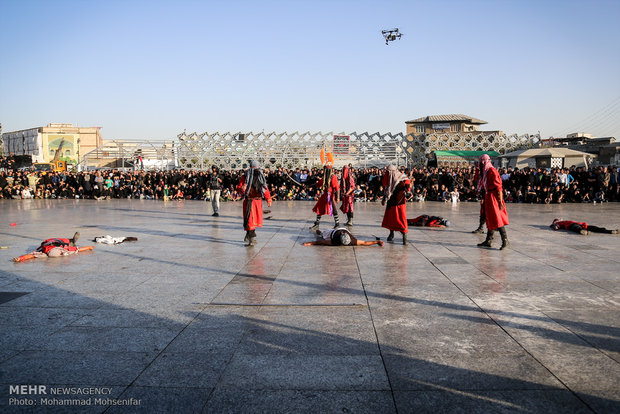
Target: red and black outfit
{"points": [[428, 221], [254, 188], [326, 204], [49, 244], [347, 187], [494, 207], [578, 227], [396, 185]]}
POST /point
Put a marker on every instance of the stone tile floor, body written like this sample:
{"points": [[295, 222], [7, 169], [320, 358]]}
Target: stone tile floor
{"points": [[188, 319]]}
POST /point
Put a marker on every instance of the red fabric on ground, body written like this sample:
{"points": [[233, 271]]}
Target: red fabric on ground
{"points": [[49, 244], [565, 225]]}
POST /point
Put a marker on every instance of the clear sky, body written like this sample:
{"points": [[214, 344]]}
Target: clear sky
{"points": [[150, 69]]}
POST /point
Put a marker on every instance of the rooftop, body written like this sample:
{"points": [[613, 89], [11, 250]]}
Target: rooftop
{"points": [[553, 152], [448, 118]]}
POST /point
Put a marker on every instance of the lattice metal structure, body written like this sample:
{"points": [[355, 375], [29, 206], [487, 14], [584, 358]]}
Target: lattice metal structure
{"points": [[302, 149], [289, 150], [418, 146]]}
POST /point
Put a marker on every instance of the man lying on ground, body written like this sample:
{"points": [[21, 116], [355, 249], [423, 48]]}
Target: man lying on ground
{"points": [[340, 237], [581, 228], [55, 247], [428, 221]]}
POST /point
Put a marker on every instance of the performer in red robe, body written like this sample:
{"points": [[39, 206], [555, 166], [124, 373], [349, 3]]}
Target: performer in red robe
{"points": [[326, 204], [347, 187], [395, 187], [494, 207], [253, 187]]}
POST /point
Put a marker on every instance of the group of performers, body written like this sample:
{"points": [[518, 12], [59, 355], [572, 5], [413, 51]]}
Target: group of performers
{"points": [[396, 185], [333, 190], [253, 187]]}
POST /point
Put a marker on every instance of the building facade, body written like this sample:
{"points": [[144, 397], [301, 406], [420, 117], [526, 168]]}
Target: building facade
{"points": [[42, 143], [439, 124], [457, 132], [605, 148]]}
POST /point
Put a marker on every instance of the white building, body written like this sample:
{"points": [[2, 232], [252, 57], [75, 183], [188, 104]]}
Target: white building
{"points": [[42, 143]]}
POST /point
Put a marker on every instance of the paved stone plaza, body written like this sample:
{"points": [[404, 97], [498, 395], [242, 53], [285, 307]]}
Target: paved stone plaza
{"points": [[189, 320]]}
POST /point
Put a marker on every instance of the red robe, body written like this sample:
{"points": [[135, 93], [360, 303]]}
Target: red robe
{"points": [[255, 218], [348, 183], [425, 221], [395, 217], [565, 225], [495, 217], [325, 203], [49, 244]]}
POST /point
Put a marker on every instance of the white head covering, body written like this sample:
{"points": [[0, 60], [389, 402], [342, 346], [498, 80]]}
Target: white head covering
{"points": [[393, 178], [260, 184], [485, 166]]}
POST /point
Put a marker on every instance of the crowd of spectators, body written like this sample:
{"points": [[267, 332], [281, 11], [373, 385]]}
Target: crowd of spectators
{"points": [[528, 185]]}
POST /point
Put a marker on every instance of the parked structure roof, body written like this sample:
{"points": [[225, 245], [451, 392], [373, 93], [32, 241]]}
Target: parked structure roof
{"points": [[551, 152]]}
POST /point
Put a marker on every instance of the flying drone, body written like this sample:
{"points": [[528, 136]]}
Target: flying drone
{"points": [[391, 34]]}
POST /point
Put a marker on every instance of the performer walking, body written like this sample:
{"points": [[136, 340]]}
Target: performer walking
{"points": [[253, 187], [329, 188], [395, 187], [495, 213], [347, 187]]}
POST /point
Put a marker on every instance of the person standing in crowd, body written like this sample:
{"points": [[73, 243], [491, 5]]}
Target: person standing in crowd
{"points": [[253, 187], [395, 187], [215, 189], [98, 185], [329, 188], [33, 180], [347, 186], [494, 207]]}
